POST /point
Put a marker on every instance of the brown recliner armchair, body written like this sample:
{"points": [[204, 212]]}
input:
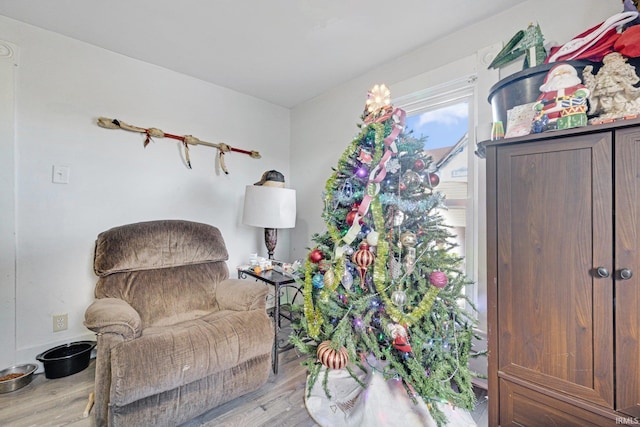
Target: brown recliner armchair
{"points": [[176, 335]]}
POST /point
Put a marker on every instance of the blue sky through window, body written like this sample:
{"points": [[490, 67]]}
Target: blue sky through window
{"points": [[443, 127]]}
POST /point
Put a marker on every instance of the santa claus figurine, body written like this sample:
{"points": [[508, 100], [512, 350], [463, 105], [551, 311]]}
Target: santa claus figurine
{"points": [[563, 101]]}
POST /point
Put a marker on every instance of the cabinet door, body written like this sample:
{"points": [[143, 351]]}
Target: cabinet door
{"points": [[627, 291], [554, 226]]}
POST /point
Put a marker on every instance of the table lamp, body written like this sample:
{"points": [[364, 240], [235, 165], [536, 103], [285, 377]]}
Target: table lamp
{"points": [[270, 208]]}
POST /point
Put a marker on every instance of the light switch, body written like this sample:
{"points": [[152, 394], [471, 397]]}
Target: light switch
{"points": [[61, 174]]}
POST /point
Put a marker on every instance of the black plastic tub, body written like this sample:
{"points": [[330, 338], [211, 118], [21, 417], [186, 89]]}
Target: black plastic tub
{"points": [[66, 359]]}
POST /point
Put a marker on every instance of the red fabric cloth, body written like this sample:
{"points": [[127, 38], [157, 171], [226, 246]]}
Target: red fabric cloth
{"points": [[628, 44], [595, 53]]}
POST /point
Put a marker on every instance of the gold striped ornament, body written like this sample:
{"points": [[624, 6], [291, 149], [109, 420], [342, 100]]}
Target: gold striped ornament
{"points": [[332, 359]]}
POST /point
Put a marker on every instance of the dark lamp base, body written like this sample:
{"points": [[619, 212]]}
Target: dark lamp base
{"points": [[270, 240]]}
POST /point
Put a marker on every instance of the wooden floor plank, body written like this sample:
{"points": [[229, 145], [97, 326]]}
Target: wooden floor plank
{"points": [[280, 402]]}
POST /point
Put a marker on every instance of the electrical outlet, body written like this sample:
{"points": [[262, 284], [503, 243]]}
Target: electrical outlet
{"points": [[61, 174], [60, 322]]}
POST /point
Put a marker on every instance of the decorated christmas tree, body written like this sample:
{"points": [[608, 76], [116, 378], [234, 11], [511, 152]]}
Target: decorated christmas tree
{"points": [[383, 281]]}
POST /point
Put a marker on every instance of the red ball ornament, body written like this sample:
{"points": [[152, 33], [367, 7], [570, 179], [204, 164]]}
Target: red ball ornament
{"points": [[418, 165], [351, 216], [332, 359], [438, 279], [434, 180], [316, 256]]}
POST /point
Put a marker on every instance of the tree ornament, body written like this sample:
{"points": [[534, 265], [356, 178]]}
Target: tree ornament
{"points": [[318, 281], [372, 238], [398, 218], [410, 260], [395, 268], [434, 179], [332, 359], [316, 256], [365, 156], [400, 337], [351, 215], [399, 297], [361, 172], [347, 280], [378, 98], [408, 239], [324, 265], [419, 165], [346, 189], [329, 279], [438, 279], [363, 258], [411, 179]]}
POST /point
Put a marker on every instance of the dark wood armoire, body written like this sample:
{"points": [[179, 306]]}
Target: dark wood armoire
{"points": [[563, 277]]}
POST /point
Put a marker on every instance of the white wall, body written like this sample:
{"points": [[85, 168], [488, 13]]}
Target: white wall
{"points": [[62, 87], [8, 60], [323, 127]]}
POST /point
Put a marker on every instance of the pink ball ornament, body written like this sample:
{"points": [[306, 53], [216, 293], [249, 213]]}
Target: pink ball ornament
{"points": [[438, 279]]}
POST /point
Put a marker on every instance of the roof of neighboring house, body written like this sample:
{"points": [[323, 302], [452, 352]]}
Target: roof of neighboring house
{"points": [[442, 156]]}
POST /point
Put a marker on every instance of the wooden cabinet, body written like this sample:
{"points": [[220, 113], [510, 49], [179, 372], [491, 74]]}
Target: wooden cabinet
{"points": [[563, 233]]}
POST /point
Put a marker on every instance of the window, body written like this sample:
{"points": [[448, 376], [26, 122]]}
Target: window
{"points": [[444, 116]]}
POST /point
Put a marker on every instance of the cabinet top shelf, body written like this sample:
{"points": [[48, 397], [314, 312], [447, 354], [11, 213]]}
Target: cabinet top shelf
{"points": [[601, 127]]}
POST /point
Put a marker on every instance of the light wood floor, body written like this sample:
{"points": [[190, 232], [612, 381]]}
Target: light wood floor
{"points": [[280, 402]]}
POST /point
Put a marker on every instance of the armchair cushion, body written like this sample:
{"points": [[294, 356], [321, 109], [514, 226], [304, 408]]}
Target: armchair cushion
{"points": [[166, 293], [236, 294], [115, 316], [157, 244], [165, 358]]}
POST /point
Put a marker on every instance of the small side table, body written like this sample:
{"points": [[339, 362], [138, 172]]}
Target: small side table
{"points": [[280, 282]]}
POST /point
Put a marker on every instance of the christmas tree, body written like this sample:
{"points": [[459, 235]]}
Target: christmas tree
{"points": [[382, 281]]}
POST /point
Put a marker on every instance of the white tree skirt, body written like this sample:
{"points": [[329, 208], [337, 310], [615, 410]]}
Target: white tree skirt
{"points": [[381, 403]]}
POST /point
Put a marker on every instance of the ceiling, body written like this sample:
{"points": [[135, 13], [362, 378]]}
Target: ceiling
{"points": [[282, 51]]}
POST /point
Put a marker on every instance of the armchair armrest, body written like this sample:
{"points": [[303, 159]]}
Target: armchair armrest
{"points": [[241, 295], [113, 316]]}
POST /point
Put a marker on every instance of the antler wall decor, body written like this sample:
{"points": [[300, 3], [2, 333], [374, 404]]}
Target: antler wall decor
{"points": [[186, 140]]}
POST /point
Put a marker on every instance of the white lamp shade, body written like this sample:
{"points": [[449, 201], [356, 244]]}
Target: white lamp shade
{"points": [[269, 207]]}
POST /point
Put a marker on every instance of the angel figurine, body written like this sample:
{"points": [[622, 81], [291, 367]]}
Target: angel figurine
{"points": [[613, 91]]}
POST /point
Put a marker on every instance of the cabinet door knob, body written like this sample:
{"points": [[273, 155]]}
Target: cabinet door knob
{"points": [[602, 271], [626, 273]]}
